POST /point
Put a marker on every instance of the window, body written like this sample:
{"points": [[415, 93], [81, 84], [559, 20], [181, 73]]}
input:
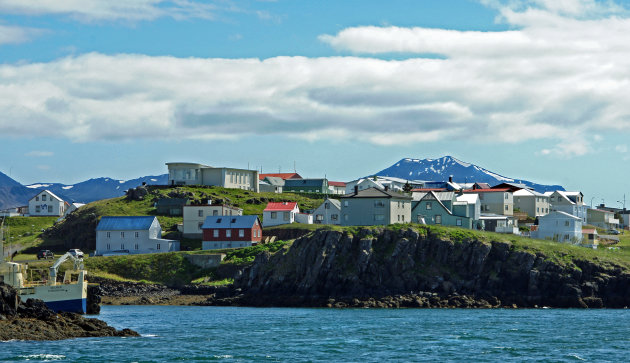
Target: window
{"points": [[379, 217], [507, 207], [319, 217], [566, 223], [44, 198], [200, 213], [402, 217], [215, 233], [379, 204], [137, 234], [158, 247], [399, 218], [345, 203], [537, 209], [136, 246], [109, 247], [287, 216], [199, 225], [241, 233], [228, 233], [274, 215], [326, 206], [506, 195], [122, 246], [429, 206], [438, 219], [334, 217], [458, 222], [37, 209], [49, 208], [345, 217], [109, 235], [122, 234], [37, 198]]}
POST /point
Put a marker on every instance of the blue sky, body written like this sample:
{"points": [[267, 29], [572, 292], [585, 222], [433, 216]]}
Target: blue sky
{"points": [[532, 89]]}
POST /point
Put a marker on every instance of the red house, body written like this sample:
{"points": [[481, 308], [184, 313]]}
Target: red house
{"points": [[230, 232]]}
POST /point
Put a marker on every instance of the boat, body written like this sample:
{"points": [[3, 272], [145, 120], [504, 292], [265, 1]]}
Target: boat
{"points": [[69, 294]]}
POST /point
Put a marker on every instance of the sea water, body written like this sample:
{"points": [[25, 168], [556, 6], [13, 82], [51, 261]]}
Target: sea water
{"points": [[231, 334]]}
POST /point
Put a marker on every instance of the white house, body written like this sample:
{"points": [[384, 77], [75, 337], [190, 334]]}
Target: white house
{"points": [[560, 227], [182, 173], [531, 202], [72, 207], [277, 213], [195, 216], [568, 202], [134, 234], [328, 212], [45, 203]]}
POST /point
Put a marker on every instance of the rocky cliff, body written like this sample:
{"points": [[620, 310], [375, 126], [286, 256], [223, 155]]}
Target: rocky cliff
{"points": [[423, 267]]}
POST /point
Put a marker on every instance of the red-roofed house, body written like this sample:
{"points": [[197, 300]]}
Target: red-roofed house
{"points": [[497, 201], [283, 176], [337, 187], [277, 213]]}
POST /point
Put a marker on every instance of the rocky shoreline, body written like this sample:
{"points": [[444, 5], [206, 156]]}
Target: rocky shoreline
{"points": [[33, 320]]}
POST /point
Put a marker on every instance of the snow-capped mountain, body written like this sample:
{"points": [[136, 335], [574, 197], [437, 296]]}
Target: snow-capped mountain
{"points": [[441, 169], [13, 194]]}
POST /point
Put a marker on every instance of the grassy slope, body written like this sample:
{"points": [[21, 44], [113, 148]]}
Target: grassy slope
{"points": [[26, 231]]}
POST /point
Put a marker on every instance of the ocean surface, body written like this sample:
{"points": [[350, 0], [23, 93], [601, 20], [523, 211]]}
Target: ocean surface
{"points": [[228, 334]]}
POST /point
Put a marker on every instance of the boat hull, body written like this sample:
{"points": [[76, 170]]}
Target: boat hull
{"points": [[66, 297]]}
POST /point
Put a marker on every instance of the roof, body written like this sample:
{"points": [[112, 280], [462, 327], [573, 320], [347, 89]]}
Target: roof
{"points": [[512, 186], [274, 180], [589, 231], [230, 222], [283, 176], [468, 198], [336, 184], [492, 216], [483, 185], [171, 201], [486, 190], [528, 193], [563, 214], [280, 206], [128, 223], [304, 182], [376, 193], [49, 192], [334, 202], [429, 190]]}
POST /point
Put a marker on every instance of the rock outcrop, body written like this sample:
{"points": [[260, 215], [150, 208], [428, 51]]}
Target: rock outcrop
{"points": [[33, 320], [385, 267]]}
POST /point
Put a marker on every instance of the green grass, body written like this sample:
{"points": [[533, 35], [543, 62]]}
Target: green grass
{"points": [[26, 231]]}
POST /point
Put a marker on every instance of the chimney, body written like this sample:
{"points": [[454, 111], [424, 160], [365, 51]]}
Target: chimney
{"points": [[474, 186], [356, 189], [450, 178]]}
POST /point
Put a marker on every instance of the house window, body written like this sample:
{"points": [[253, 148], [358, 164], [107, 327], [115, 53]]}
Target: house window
{"points": [[44, 198], [506, 207], [136, 246], [274, 215], [506, 195], [399, 218], [109, 234], [215, 212], [109, 247], [37, 199], [158, 247], [402, 217], [50, 208], [438, 219], [200, 213], [37, 209], [241, 233], [566, 223], [345, 217], [122, 246], [345, 203], [458, 222], [429, 206], [215, 233], [319, 217], [334, 217], [228, 233], [379, 204], [122, 234], [137, 234], [286, 216], [379, 217], [326, 206], [552, 198]]}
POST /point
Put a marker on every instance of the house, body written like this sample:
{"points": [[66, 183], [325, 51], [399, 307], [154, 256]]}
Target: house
{"points": [[277, 213], [283, 176], [495, 201], [602, 218], [531, 202], [306, 186], [499, 223], [590, 237], [230, 232], [181, 173], [271, 184], [45, 203], [374, 206], [329, 212], [447, 208], [132, 234], [382, 182], [568, 202], [195, 216], [72, 207], [336, 188], [304, 218], [171, 206], [560, 227], [512, 187]]}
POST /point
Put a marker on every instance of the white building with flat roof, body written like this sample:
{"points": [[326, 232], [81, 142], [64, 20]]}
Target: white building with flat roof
{"points": [[181, 173]]}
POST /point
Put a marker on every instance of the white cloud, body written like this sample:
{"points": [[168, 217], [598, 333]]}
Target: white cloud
{"points": [[106, 10], [623, 148], [36, 153], [14, 34]]}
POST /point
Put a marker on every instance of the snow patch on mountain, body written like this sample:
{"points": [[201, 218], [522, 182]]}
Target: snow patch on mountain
{"points": [[37, 186]]}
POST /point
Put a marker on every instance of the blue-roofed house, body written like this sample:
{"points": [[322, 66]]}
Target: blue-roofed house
{"points": [[132, 234], [230, 232]]}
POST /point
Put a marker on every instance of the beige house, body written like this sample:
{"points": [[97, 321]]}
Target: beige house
{"points": [[195, 215], [495, 201], [602, 218], [198, 174], [374, 206], [531, 202]]}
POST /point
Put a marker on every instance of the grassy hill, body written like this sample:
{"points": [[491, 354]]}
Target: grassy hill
{"points": [[78, 229]]}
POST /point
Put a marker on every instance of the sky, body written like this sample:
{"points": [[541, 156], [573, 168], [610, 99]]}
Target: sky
{"points": [[530, 89]]}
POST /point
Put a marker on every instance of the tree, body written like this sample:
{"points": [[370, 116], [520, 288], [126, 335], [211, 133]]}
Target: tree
{"points": [[407, 187]]}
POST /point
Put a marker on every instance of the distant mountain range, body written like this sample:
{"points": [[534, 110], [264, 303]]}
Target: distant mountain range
{"points": [[441, 169], [14, 194]]}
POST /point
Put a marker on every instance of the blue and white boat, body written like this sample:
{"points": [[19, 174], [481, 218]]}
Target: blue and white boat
{"points": [[69, 294]]}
